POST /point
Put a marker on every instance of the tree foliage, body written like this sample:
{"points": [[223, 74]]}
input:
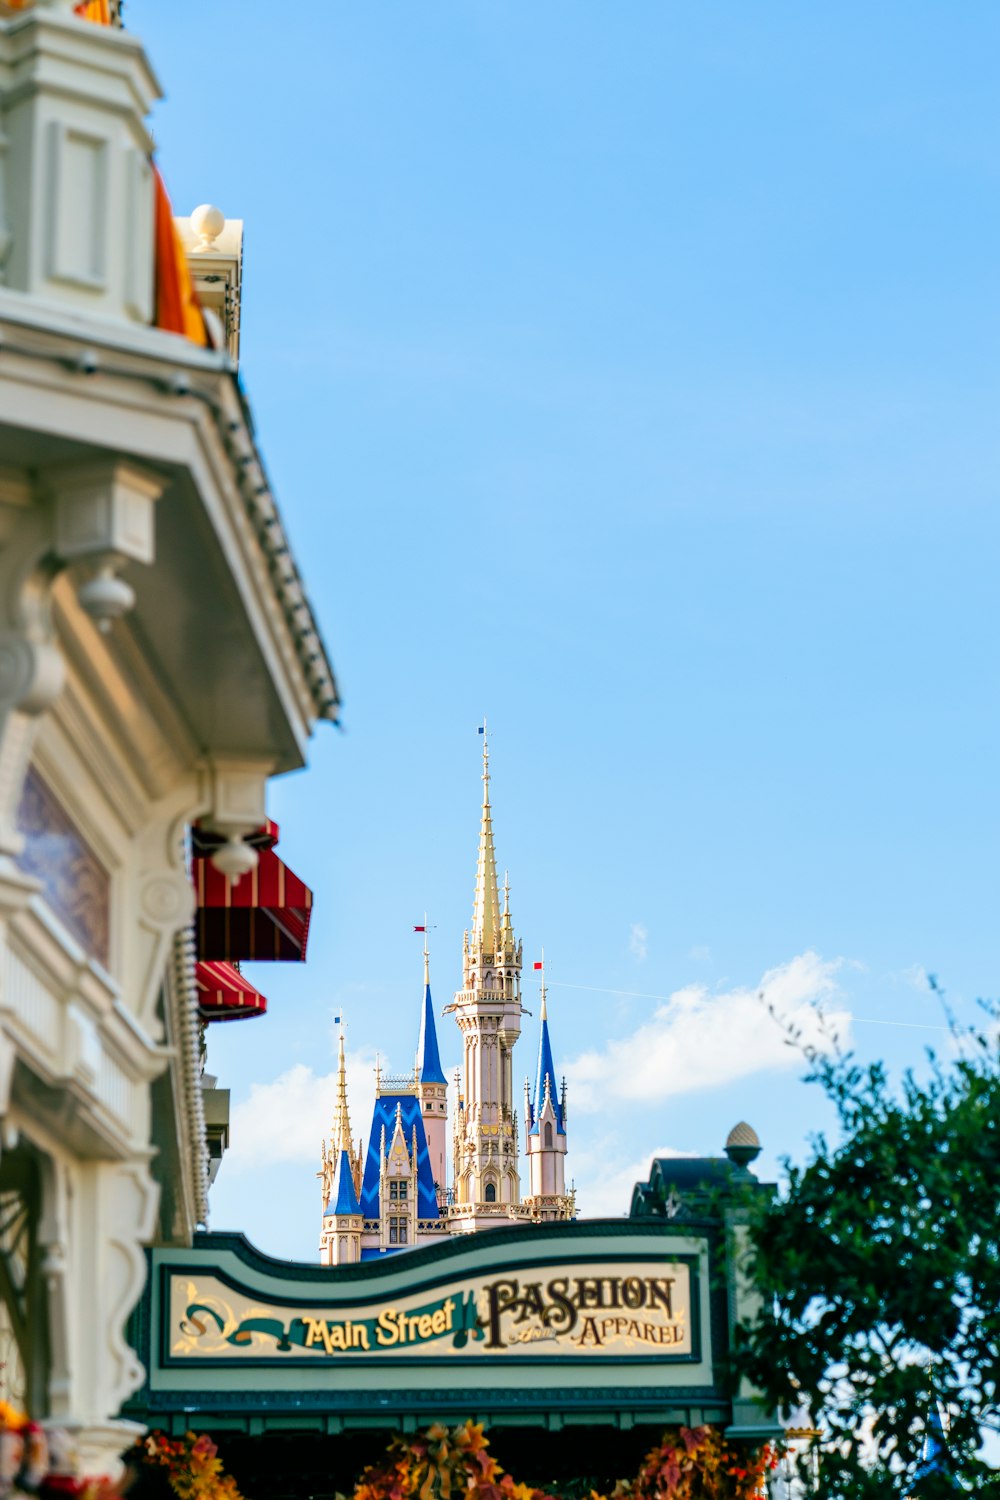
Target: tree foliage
{"points": [[881, 1267]]}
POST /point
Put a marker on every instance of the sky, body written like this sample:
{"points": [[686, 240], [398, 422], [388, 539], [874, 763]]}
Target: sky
{"points": [[627, 374]]}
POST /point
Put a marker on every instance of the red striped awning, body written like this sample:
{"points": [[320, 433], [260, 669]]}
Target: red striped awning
{"points": [[261, 915], [224, 994]]}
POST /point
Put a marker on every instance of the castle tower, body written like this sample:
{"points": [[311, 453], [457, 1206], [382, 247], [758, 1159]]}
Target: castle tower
{"points": [[340, 1180], [545, 1139], [400, 1198], [393, 1196], [432, 1090], [488, 1011], [398, 1187]]}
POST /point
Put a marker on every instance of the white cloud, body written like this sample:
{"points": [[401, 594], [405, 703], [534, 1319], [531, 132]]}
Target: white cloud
{"points": [[638, 938], [699, 1039], [701, 954], [607, 1192], [285, 1120]]}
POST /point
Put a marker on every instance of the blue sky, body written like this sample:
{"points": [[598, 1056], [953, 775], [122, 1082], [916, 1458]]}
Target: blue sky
{"points": [[627, 373]]}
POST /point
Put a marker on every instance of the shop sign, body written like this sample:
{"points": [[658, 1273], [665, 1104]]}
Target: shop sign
{"points": [[618, 1309]]}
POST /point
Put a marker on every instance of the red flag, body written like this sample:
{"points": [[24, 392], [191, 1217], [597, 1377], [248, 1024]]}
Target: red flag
{"points": [[420, 929], [539, 966]]}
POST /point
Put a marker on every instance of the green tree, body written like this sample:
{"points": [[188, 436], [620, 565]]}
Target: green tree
{"points": [[880, 1264]]}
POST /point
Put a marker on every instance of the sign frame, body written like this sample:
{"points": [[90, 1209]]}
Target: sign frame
{"points": [[281, 1360], [347, 1390]]}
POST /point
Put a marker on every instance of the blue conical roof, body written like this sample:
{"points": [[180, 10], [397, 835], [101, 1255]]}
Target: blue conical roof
{"points": [[546, 1070], [428, 1057], [343, 1196]]}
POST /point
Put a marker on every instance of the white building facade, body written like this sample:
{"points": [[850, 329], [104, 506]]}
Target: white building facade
{"points": [[159, 663]]}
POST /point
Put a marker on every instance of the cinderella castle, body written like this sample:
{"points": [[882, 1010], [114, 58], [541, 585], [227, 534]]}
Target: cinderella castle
{"points": [[395, 1195]]}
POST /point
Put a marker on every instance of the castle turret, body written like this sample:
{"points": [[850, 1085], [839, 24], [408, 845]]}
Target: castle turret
{"points": [[432, 1089], [545, 1138], [488, 1011]]}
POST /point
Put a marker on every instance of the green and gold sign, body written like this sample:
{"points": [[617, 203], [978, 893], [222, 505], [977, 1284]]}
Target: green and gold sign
{"points": [[635, 1307], [612, 1320]]}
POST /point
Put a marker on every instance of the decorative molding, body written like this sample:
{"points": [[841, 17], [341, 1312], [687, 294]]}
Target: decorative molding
{"points": [[54, 1237], [238, 807], [75, 102], [24, 995], [389, 1402], [166, 900], [104, 517], [182, 998], [184, 411], [115, 716], [139, 256], [500, 1243], [130, 1218], [160, 900], [8, 1058], [104, 507], [77, 230], [31, 669]]}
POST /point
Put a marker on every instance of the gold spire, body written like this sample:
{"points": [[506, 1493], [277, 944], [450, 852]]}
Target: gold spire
{"points": [[340, 1137], [507, 926], [486, 906]]}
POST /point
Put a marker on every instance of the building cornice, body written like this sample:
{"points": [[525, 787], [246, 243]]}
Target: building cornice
{"points": [[176, 407]]}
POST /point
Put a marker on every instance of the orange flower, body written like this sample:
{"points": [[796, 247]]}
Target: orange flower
{"points": [[11, 1418]]}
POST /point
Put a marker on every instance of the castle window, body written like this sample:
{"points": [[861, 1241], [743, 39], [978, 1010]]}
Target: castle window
{"points": [[397, 1191], [548, 1136], [491, 1192], [398, 1232]]}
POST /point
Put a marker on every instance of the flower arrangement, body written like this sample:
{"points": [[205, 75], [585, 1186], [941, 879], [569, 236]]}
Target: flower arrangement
{"points": [[454, 1464], [700, 1463], [24, 1453], [193, 1466], [39, 1463], [438, 1464]]}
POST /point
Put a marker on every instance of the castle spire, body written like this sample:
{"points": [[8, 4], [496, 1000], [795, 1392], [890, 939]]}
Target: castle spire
{"points": [[545, 1078], [340, 1136], [340, 1238], [509, 942], [486, 906], [429, 1068]]}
